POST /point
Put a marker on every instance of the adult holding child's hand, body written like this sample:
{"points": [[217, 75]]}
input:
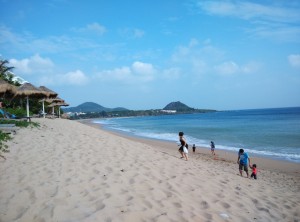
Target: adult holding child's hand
{"points": [[243, 161]]}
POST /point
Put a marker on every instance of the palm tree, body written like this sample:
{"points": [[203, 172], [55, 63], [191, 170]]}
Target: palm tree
{"points": [[6, 74]]}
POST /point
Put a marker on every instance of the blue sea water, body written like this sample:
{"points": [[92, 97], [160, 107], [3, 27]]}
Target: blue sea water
{"points": [[274, 133]]}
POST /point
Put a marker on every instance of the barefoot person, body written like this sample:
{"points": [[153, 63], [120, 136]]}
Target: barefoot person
{"points": [[254, 171], [212, 147], [183, 150], [194, 148], [243, 161]]}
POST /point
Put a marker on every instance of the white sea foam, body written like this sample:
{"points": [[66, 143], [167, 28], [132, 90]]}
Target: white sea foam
{"points": [[272, 133]]}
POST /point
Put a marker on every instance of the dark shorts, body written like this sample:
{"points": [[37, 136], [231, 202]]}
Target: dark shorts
{"points": [[180, 149], [243, 167], [254, 176]]}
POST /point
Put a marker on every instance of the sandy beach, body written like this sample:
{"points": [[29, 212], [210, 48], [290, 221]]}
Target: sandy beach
{"points": [[74, 171]]}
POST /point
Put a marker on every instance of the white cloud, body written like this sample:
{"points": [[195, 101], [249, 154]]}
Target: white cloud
{"points": [[250, 10], [137, 72], [132, 33], [231, 68], [143, 68], [227, 68], [273, 21], [45, 71], [205, 59], [119, 74], [196, 57], [93, 27], [33, 65], [138, 33], [294, 60], [171, 73], [71, 78], [26, 42], [74, 78]]}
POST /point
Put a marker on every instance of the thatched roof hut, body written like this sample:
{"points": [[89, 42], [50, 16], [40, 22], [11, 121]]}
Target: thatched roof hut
{"points": [[27, 89], [58, 104], [6, 88], [49, 92], [54, 100]]}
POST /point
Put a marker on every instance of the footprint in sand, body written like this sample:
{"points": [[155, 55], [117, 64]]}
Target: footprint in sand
{"points": [[148, 204], [263, 209], [226, 205], [207, 216], [96, 171], [204, 205], [129, 198], [131, 181], [178, 205], [31, 194]]}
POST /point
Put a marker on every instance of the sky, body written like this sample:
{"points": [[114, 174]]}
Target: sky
{"points": [[144, 54]]}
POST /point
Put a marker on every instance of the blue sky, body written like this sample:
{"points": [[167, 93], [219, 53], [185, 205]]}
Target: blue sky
{"points": [[144, 54]]}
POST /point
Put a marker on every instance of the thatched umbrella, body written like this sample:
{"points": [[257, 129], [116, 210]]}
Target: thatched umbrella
{"points": [[53, 101], [6, 88], [50, 94], [59, 104], [27, 90]]}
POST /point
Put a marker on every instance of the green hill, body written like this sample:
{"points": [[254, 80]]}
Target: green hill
{"points": [[89, 107], [179, 107]]}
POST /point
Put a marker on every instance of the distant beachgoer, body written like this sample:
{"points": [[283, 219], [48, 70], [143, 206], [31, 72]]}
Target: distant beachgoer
{"points": [[254, 171], [183, 148], [212, 147], [194, 148], [243, 161]]}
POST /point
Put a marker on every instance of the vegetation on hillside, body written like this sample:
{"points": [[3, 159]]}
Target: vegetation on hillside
{"points": [[132, 113]]}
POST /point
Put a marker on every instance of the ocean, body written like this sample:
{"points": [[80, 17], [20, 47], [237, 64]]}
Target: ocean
{"points": [[273, 133]]}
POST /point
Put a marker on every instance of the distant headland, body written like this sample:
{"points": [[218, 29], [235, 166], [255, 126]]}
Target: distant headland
{"points": [[94, 110]]}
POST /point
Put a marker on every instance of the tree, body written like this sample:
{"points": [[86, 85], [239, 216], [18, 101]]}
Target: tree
{"points": [[6, 73]]}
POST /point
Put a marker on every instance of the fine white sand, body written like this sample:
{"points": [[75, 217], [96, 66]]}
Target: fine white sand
{"points": [[67, 171]]}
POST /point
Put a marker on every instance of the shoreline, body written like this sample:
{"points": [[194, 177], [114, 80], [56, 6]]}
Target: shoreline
{"points": [[264, 163], [67, 170]]}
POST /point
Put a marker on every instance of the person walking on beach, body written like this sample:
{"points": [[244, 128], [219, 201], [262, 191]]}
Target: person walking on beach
{"points": [[183, 150], [243, 161], [212, 147], [254, 171], [194, 148]]}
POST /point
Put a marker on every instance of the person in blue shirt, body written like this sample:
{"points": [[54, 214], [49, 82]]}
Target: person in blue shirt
{"points": [[244, 162]]}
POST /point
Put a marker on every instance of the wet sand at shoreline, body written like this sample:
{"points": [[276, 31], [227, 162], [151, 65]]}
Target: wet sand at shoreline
{"points": [[68, 171]]}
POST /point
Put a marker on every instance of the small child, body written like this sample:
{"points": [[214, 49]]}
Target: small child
{"points": [[212, 147], [254, 171]]}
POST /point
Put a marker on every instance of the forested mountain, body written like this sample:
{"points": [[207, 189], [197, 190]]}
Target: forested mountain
{"points": [[178, 106], [90, 107]]}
